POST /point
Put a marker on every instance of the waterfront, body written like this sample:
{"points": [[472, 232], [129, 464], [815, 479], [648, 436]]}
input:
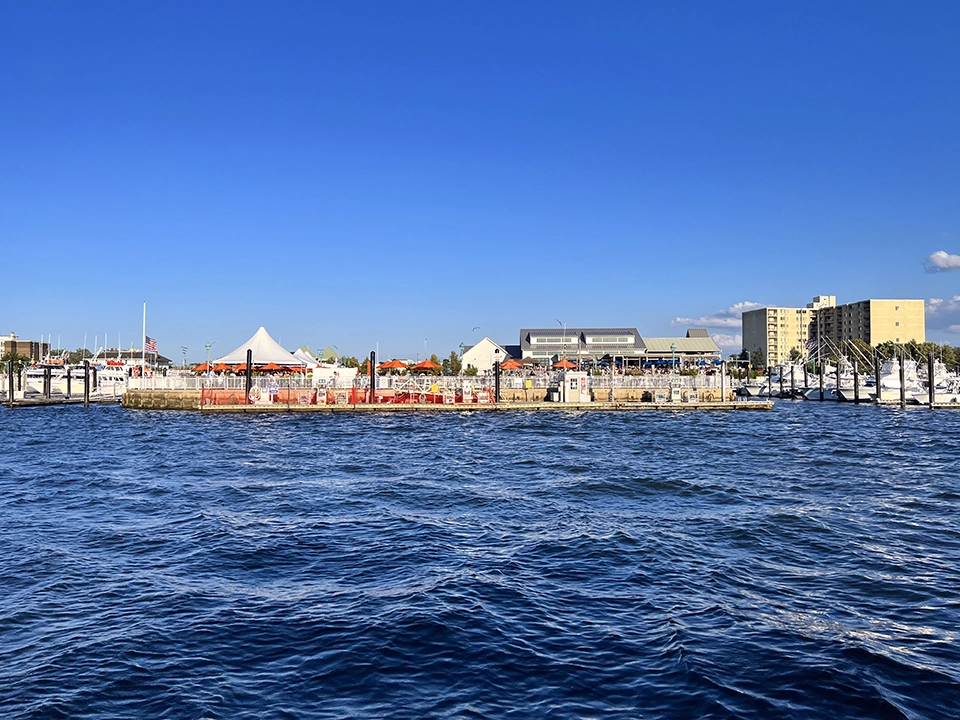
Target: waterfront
{"points": [[799, 562]]}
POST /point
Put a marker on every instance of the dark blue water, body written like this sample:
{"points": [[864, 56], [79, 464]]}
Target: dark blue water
{"points": [[803, 562]]}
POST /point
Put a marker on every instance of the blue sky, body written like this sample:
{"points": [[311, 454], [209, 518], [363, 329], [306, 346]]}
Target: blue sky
{"points": [[384, 174]]}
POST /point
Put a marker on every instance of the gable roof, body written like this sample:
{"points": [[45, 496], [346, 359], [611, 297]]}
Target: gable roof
{"points": [[486, 340], [527, 335], [697, 333], [265, 350], [683, 345]]}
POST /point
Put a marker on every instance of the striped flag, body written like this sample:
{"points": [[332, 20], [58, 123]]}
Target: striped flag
{"points": [[151, 345]]}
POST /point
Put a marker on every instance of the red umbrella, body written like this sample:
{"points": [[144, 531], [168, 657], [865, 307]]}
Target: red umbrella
{"points": [[426, 365], [202, 367], [392, 365]]}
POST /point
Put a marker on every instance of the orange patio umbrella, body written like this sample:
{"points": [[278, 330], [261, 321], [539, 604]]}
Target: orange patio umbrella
{"points": [[221, 367], [270, 367], [202, 367], [511, 364], [566, 364], [241, 368], [392, 365], [426, 365]]}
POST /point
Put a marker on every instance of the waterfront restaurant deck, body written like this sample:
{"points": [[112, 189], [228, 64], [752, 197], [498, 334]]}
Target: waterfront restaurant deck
{"points": [[571, 390]]}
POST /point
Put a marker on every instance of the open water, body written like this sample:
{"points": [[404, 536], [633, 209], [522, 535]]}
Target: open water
{"points": [[797, 563]]}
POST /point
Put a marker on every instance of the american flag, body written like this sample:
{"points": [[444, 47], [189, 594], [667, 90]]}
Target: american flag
{"points": [[810, 344], [151, 345]]}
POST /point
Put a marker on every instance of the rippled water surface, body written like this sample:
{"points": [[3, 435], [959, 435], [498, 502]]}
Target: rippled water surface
{"points": [[802, 562]]}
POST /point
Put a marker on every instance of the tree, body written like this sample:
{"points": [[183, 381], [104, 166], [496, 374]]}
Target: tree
{"points": [[78, 356], [364, 366], [19, 361], [452, 365], [887, 350], [350, 362], [948, 356], [756, 358], [795, 354]]}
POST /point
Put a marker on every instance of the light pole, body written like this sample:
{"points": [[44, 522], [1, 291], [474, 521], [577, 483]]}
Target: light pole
{"points": [[673, 362], [563, 342], [183, 362], [208, 346]]}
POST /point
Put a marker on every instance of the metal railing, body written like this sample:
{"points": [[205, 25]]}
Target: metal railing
{"points": [[423, 383]]}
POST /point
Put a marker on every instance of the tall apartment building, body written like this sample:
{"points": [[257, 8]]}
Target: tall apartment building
{"points": [[777, 331], [873, 321], [36, 350]]}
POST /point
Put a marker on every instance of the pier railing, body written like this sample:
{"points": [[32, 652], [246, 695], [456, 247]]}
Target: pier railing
{"points": [[423, 383]]}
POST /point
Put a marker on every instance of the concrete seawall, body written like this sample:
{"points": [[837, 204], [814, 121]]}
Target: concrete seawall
{"points": [[163, 399]]}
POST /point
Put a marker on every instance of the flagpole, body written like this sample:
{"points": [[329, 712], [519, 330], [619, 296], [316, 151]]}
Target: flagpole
{"points": [[143, 355]]}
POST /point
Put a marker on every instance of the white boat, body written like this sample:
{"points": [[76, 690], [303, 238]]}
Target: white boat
{"points": [[890, 386], [945, 392], [830, 392]]}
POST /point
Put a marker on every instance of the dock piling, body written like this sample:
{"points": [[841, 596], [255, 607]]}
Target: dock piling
{"points": [[248, 377], [86, 383], [931, 383], [876, 375], [856, 382], [373, 377], [903, 377]]}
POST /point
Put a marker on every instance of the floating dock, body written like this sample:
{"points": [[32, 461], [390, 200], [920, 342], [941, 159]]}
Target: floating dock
{"points": [[47, 402]]}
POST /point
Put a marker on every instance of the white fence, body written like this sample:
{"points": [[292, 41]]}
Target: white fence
{"points": [[116, 387]]}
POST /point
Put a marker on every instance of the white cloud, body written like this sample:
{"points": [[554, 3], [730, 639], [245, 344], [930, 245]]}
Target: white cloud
{"points": [[729, 318], [936, 306], [943, 314], [728, 342], [942, 261]]}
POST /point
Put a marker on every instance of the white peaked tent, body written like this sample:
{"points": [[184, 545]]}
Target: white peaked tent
{"points": [[306, 357], [265, 350]]}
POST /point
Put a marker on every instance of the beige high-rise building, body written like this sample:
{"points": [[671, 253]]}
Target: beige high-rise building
{"points": [[873, 321], [776, 331]]}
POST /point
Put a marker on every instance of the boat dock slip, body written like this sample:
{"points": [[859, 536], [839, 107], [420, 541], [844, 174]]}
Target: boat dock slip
{"points": [[46, 402]]}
